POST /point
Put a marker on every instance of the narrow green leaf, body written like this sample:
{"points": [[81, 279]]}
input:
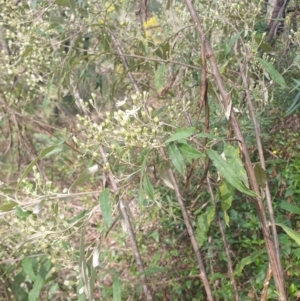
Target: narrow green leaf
{"points": [[228, 173], [155, 258], [189, 153], [295, 236], [159, 77], [148, 187], [42, 154], [209, 136], [72, 5], [93, 267], [78, 217], [88, 173], [105, 207], [247, 260], [232, 155], [62, 2], [260, 175], [290, 207], [176, 157], [203, 225], [57, 20], [169, 3], [22, 213], [181, 135], [117, 289], [8, 206], [231, 42], [83, 269], [34, 294], [163, 174], [153, 270], [274, 74], [142, 156], [227, 195], [56, 150], [28, 268], [33, 4], [295, 104]]}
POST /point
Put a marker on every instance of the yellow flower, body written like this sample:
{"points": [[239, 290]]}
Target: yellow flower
{"points": [[151, 22]]}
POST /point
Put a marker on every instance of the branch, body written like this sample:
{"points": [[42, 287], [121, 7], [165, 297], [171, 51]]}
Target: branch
{"points": [[276, 265], [131, 234], [226, 246]]}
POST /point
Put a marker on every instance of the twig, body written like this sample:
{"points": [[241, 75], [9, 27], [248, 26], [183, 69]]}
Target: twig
{"points": [[266, 284], [226, 246], [131, 234], [243, 72], [188, 225]]}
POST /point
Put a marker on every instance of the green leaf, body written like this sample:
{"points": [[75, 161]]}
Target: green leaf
{"points": [[153, 270], [105, 207], [203, 225], [83, 269], [181, 135], [155, 235], [155, 258], [228, 173], [260, 175], [42, 154], [78, 217], [159, 77], [163, 174], [8, 206], [176, 157], [62, 2], [72, 5], [142, 156], [295, 105], [148, 187], [232, 156], [231, 42], [22, 213], [34, 294], [28, 268], [227, 195], [247, 260], [274, 74], [290, 207], [189, 153], [210, 136], [295, 236], [117, 289], [88, 173], [57, 20]]}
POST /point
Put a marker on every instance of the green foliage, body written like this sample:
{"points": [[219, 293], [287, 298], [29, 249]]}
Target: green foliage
{"points": [[228, 172], [67, 95]]}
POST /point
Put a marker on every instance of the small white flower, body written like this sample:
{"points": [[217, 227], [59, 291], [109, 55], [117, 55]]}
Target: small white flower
{"points": [[132, 112], [121, 103]]}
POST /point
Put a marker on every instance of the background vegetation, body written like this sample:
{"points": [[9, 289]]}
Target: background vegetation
{"points": [[148, 155]]}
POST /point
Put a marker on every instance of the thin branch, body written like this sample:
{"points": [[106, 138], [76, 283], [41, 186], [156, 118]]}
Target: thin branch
{"points": [[123, 209], [243, 72], [266, 284], [226, 246], [276, 265], [188, 225], [131, 234]]}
